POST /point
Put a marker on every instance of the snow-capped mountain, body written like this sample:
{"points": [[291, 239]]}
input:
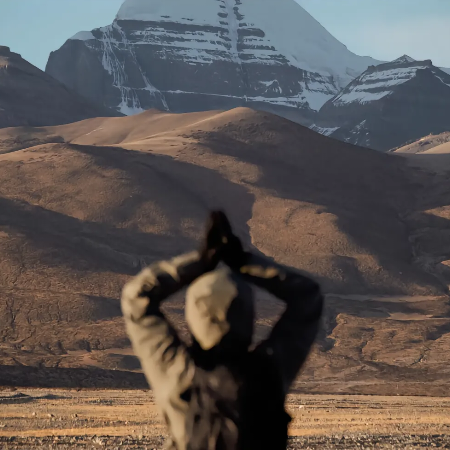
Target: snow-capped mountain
{"points": [[194, 55], [388, 105]]}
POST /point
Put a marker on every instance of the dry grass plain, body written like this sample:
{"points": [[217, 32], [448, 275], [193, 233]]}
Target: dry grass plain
{"points": [[89, 419]]}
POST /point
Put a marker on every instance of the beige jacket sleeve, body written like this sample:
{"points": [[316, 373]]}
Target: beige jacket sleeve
{"points": [[162, 354]]}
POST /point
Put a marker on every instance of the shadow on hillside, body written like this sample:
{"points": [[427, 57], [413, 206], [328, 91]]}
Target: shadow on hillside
{"points": [[182, 192], [180, 189], [23, 376], [366, 190]]}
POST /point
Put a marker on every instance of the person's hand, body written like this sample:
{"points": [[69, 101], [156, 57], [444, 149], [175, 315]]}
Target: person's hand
{"points": [[233, 254], [217, 229], [221, 244]]}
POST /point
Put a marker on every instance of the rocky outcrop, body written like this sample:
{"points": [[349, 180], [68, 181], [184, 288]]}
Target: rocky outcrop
{"points": [[208, 54], [29, 96]]}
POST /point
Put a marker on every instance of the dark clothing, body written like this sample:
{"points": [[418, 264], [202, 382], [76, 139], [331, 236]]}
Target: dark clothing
{"points": [[222, 401]]}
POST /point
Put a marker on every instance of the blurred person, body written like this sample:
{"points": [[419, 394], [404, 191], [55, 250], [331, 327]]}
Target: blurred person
{"points": [[218, 394]]}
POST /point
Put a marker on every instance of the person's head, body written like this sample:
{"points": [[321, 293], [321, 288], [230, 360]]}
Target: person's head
{"points": [[220, 312]]}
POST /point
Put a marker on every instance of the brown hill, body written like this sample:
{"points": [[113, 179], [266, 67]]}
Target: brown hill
{"points": [[29, 96], [85, 205], [431, 153], [425, 143]]}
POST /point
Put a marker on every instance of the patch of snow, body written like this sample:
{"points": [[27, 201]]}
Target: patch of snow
{"points": [[268, 83], [440, 79], [157, 35], [292, 102], [317, 92], [322, 130], [200, 47], [271, 87], [148, 85], [128, 110], [316, 99], [130, 103], [293, 33], [357, 132], [361, 97], [404, 59], [83, 36], [233, 27], [358, 128], [201, 93], [376, 85], [393, 77], [282, 101]]}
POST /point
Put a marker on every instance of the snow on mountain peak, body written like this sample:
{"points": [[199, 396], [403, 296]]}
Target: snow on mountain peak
{"points": [[381, 82], [83, 36], [378, 82], [404, 59], [184, 55], [287, 32]]}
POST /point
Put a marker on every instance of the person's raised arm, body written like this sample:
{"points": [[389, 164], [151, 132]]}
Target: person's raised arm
{"points": [[162, 354], [293, 335]]}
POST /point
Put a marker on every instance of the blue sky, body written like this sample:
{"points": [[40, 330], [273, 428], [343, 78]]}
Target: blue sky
{"points": [[387, 29], [383, 29]]}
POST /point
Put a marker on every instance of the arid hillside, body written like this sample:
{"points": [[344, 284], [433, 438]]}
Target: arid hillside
{"points": [[425, 143], [84, 206], [29, 96]]}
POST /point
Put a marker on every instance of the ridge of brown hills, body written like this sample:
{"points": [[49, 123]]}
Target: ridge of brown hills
{"points": [[424, 143], [84, 206]]}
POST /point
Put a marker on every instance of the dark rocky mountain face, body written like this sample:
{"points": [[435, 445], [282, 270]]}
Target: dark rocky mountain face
{"points": [[29, 96], [389, 105], [214, 54]]}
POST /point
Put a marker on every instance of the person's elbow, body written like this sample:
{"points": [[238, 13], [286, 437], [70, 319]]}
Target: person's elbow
{"points": [[135, 301]]}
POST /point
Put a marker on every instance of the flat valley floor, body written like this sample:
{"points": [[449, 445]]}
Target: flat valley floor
{"points": [[90, 419]]}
